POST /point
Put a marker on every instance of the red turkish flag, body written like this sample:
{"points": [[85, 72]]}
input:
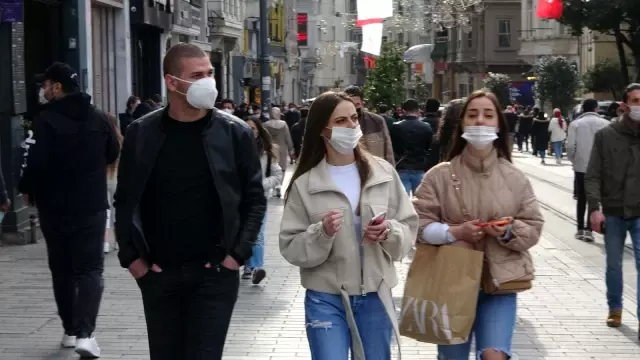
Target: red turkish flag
{"points": [[369, 62], [549, 9]]}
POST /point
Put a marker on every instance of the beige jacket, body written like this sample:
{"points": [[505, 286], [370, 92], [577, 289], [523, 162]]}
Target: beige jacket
{"points": [[491, 189], [331, 264]]}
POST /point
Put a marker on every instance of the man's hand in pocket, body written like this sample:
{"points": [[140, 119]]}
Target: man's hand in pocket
{"points": [[139, 268]]}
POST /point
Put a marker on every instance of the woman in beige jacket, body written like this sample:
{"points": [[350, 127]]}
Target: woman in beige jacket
{"points": [[345, 258], [458, 200]]}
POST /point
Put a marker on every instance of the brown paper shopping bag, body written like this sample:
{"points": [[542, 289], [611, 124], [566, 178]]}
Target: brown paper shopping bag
{"points": [[441, 294]]}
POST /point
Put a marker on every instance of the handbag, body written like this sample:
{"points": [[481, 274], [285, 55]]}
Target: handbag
{"points": [[489, 286]]}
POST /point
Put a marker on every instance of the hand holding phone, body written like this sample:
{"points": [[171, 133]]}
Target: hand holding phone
{"points": [[377, 229]]}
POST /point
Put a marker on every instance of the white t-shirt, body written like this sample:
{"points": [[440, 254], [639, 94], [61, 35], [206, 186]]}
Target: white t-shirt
{"points": [[347, 179]]}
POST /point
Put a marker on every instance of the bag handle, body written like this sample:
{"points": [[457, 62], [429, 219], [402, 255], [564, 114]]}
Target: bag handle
{"points": [[456, 186]]}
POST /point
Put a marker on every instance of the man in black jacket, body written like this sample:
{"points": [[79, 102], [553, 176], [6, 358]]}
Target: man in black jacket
{"points": [[189, 206], [411, 140], [66, 178]]}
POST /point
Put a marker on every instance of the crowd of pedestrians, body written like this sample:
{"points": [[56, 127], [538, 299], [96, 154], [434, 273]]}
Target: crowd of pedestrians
{"points": [[185, 187]]}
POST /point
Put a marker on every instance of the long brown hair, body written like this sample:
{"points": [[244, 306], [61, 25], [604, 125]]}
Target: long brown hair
{"points": [[264, 140], [502, 144], [313, 147], [111, 168]]}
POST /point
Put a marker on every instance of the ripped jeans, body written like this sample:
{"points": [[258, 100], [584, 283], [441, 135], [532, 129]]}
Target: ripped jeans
{"points": [[328, 331], [493, 328]]}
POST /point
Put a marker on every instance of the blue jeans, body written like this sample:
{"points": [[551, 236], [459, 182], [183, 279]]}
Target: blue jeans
{"points": [[257, 258], [542, 153], [616, 229], [557, 149], [493, 328], [411, 179], [328, 331]]}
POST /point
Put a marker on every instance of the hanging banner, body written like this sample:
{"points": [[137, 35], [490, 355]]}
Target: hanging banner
{"points": [[372, 39]]}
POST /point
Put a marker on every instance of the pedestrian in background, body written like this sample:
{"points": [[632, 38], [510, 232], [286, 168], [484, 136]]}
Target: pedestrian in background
{"points": [[66, 179], [582, 131], [512, 121], [524, 130], [272, 177], [327, 231], [613, 195], [540, 135], [112, 182], [281, 136], [411, 139], [126, 118], [182, 235], [489, 188], [297, 131], [558, 131], [375, 133]]}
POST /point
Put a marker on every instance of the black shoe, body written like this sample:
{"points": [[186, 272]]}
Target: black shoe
{"points": [[258, 276]]}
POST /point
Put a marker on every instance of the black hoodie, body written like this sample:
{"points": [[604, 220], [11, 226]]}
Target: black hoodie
{"points": [[66, 172]]}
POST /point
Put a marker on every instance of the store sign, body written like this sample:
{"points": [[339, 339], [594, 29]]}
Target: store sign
{"points": [[11, 11], [303, 34]]}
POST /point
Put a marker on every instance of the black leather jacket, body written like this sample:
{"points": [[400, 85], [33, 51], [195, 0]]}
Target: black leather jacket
{"points": [[411, 140], [235, 167]]}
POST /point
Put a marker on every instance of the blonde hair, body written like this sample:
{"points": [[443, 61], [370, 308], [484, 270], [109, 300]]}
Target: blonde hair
{"points": [[111, 168]]}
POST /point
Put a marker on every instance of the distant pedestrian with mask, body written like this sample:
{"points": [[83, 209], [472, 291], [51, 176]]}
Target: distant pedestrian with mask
{"points": [[189, 206], [281, 136], [66, 179]]}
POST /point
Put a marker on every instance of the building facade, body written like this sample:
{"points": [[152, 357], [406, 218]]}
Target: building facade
{"points": [[226, 28], [540, 37], [492, 45], [108, 61], [151, 23], [190, 25]]}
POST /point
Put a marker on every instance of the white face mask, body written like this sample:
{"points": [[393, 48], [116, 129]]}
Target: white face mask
{"points": [[228, 111], [344, 140], [634, 113], [480, 137], [41, 99], [202, 93]]}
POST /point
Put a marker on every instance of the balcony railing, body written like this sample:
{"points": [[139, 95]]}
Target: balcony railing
{"points": [[548, 33]]}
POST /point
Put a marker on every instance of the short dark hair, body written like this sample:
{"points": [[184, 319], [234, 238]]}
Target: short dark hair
{"points": [[156, 98], [383, 108], [411, 105], [131, 101], [432, 106], [227, 101], [632, 87], [171, 64], [353, 91], [255, 106], [590, 105]]}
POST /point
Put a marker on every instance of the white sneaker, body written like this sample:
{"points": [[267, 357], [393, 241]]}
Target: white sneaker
{"points": [[68, 341], [106, 247], [87, 348]]}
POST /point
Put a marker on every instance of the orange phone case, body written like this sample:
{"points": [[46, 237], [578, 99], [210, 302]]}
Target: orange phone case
{"points": [[496, 223]]}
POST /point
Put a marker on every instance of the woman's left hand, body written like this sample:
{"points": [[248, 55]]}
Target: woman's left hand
{"points": [[497, 231], [377, 233]]}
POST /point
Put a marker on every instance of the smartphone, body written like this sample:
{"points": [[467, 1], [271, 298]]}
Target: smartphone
{"points": [[495, 223], [378, 219]]}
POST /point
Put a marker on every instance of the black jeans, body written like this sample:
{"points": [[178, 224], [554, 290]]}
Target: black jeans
{"points": [[581, 203], [523, 139], [188, 311], [76, 260]]}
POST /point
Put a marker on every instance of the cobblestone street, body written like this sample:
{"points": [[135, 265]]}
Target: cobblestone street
{"points": [[561, 318]]}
